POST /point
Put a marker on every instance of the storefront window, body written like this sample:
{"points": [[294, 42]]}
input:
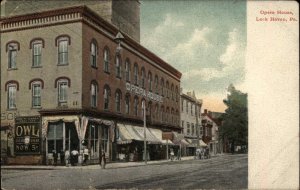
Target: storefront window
{"points": [[55, 137]]}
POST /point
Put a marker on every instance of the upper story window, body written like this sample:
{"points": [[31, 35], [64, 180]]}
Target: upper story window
{"points": [[11, 95], [62, 91], [162, 110], [182, 124], [167, 88], [177, 93], [182, 100], [94, 93], [136, 104], [193, 129], [36, 93], [127, 70], [63, 43], [136, 74], [188, 130], [12, 48], [106, 94], [156, 83], [150, 81], [192, 107], [94, 52], [118, 66], [106, 58], [162, 84], [187, 106], [127, 103], [172, 91], [143, 77], [201, 131], [118, 100], [36, 45]]}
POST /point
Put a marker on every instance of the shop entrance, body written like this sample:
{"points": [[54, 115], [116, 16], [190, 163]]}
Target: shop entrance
{"points": [[61, 136]]}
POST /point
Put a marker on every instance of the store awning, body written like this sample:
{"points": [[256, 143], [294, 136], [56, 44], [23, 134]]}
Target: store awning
{"points": [[150, 138], [194, 143], [127, 133], [158, 134]]}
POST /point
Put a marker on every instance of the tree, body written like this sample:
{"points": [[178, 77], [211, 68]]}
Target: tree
{"points": [[235, 119]]}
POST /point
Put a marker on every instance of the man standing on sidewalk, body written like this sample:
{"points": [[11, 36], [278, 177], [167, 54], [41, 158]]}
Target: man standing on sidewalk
{"points": [[102, 159]]}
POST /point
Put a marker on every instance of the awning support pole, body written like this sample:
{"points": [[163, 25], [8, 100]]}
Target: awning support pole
{"points": [[145, 143]]}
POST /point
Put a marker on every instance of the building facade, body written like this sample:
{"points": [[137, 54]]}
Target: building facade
{"points": [[65, 85], [190, 115], [211, 125]]}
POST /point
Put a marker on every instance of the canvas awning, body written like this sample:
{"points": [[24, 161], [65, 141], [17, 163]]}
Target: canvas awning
{"points": [[158, 134], [128, 133], [194, 143], [150, 138]]}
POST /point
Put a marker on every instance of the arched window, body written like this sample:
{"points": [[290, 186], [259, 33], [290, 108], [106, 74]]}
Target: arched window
{"points": [[106, 94], [150, 81], [177, 93], [167, 114], [36, 45], [63, 42], [127, 103], [172, 91], [106, 58], [156, 83], [136, 104], [118, 100], [162, 110], [118, 66], [156, 113], [12, 48], [11, 87], [127, 70], [167, 89], [36, 85], [143, 77], [136, 74], [63, 86], [94, 93], [94, 52], [162, 84]]}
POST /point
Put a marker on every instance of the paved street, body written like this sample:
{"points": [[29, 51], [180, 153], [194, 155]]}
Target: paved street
{"points": [[222, 172]]}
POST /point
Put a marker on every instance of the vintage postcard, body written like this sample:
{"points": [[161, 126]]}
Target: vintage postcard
{"points": [[140, 94]]}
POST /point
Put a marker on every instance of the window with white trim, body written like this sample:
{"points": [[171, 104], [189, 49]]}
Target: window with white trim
{"points": [[12, 55], [136, 104], [136, 74], [94, 94], [106, 98], [36, 94], [118, 101], [127, 104], [118, 66], [63, 51], [106, 60], [94, 50], [127, 70], [62, 91], [36, 53], [11, 96]]}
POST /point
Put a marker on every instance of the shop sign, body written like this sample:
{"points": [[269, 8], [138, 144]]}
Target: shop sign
{"points": [[27, 135], [142, 92], [167, 136]]}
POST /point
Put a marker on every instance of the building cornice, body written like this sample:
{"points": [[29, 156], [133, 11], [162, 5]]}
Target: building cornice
{"points": [[85, 15]]}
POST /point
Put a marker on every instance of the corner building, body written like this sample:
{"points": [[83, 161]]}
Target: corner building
{"points": [[66, 86]]}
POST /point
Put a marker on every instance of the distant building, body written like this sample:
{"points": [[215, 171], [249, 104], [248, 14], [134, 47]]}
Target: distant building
{"points": [[211, 123], [190, 115]]}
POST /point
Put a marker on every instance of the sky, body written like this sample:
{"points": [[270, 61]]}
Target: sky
{"points": [[204, 40]]}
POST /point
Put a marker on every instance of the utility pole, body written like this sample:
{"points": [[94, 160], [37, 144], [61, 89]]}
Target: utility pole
{"points": [[197, 124], [145, 142]]}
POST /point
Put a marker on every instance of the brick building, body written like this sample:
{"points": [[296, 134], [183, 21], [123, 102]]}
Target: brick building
{"points": [[66, 86]]}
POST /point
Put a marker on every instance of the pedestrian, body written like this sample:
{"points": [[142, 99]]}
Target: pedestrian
{"points": [[85, 155], [67, 157], [62, 157], [102, 159], [55, 156], [74, 157], [172, 154]]}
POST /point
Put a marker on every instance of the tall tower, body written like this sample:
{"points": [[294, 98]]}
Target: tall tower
{"points": [[125, 14]]}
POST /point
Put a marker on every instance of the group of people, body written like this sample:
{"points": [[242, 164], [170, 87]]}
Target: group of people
{"points": [[66, 158], [202, 153]]}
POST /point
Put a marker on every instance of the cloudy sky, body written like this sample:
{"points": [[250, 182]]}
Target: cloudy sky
{"points": [[204, 40]]}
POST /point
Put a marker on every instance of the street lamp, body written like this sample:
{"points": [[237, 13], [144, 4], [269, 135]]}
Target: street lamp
{"points": [[145, 142]]}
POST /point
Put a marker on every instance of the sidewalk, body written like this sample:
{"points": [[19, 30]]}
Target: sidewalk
{"points": [[111, 165]]}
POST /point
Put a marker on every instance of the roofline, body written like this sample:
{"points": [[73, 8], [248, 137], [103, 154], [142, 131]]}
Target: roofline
{"points": [[85, 11]]}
